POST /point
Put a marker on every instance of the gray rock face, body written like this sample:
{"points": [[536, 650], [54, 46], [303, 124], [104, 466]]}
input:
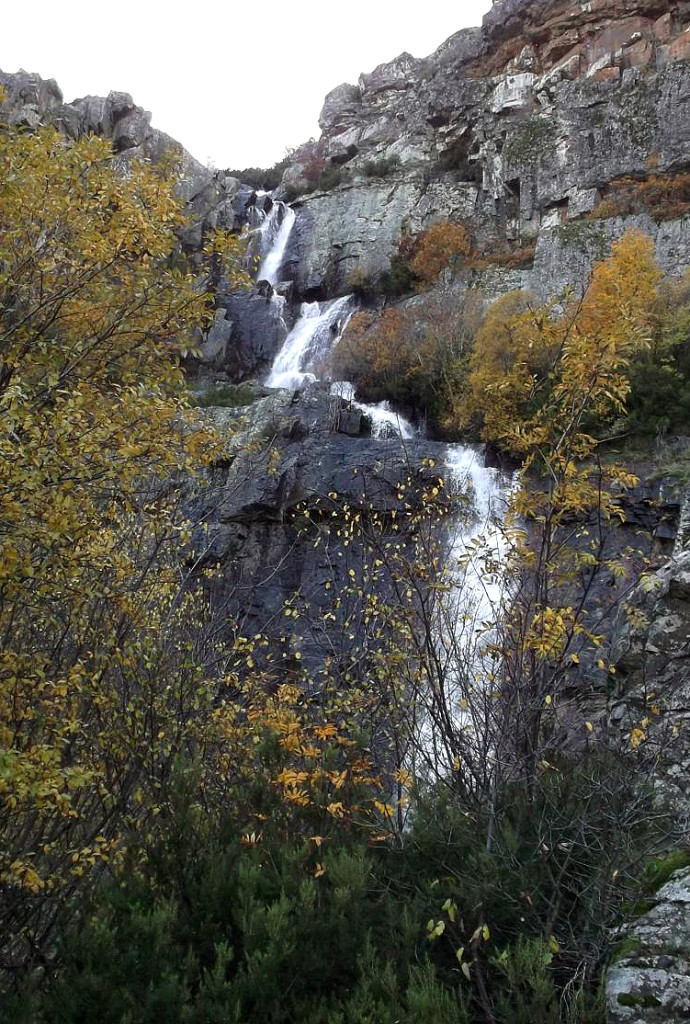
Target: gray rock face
{"points": [[31, 101], [254, 327], [651, 983], [295, 460], [29, 97], [356, 227], [651, 652], [519, 127]]}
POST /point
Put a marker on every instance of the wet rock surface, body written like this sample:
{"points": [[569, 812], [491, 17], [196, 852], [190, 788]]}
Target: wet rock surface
{"points": [[274, 510]]}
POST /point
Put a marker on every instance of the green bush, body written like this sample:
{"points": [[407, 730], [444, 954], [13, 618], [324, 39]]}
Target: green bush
{"points": [[440, 926], [264, 178], [332, 176], [381, 168], [398, 279], [228, 396]]}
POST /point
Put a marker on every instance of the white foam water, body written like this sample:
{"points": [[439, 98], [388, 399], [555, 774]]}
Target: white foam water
{"points": [[310, 341]]}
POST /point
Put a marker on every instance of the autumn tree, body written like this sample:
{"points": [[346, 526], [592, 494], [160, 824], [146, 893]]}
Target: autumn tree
{"points": [[118, 680], [439, 247], [539, 370], [100, 681], [416, 355], [497, 694]]}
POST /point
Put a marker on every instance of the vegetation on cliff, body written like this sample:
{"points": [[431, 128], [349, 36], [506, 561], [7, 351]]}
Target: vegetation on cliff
{"points": [[195, 827], [482, 373]]}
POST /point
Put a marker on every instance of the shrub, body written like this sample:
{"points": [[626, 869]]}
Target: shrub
{"points": [[665, 196], [415, 356], [440, 926], [527, 361], [382, 167], [96, 310], [441, 246], [331, 176], [659, 374], [229, 396], [266, 179], [398, 279]]}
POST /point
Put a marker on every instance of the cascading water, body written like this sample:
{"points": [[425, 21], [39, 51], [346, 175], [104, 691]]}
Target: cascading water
{"points": [[275, 234], [385, 422], [471, 604], [310, 341], [479, 543]]}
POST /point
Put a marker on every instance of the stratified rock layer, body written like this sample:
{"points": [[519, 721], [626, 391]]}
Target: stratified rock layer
{"points": [[519, 127]]}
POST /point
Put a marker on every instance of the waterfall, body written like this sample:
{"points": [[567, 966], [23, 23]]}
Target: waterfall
{"points": [[310, 341], [385, 422], [470, 606], [479, 545], [274, 235]]}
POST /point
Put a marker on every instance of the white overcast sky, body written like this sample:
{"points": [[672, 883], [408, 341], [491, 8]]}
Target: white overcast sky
{"points": [[235, 83]]}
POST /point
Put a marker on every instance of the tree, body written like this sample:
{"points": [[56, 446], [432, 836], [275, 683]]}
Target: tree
{"points": [[100, 680], [441, 246], [536, 372]]}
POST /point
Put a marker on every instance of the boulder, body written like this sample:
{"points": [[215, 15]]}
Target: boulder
{"points": [[649, 983]]}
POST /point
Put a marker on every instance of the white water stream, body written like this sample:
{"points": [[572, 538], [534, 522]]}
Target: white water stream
{"points": [[385, 421], [479, 545], [468, 614], [274, 236], [310, 342]]}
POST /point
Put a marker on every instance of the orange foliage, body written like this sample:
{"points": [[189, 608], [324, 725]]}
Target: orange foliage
{"points": [[415, 355], [439, 247], [665, 196]]}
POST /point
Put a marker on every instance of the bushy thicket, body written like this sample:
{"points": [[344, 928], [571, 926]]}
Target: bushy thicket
{"points": [[467, 372], [195, 829], [441, 925], [264, 178], [415, 355]]}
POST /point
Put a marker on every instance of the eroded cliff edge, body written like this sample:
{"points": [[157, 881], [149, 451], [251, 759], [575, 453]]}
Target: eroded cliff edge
{"points": [[519, 127]]}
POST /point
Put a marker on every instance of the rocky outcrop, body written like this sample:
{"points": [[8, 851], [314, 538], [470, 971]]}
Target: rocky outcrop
{"points": [[519, 127], [650, 981], [248, 329], [651, 653], [300, 466], [211, 196]]}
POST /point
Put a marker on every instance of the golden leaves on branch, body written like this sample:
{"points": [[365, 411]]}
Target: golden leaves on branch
{"points": [[98, 692]]}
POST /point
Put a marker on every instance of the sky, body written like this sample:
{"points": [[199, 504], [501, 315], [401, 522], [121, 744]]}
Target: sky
{"points": [[236, 84]]}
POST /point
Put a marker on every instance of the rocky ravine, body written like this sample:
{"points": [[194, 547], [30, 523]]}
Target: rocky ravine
{"points": [[519, 127]]}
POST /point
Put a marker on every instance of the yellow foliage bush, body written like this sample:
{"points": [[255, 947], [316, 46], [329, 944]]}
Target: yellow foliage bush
{"points": [[535, 368], [114, 675], [99, 688]]}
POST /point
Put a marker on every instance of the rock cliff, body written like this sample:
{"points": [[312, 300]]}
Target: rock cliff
{"points": [[213, 198], [519, 127]]}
